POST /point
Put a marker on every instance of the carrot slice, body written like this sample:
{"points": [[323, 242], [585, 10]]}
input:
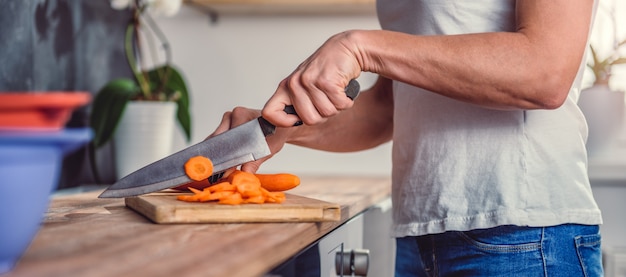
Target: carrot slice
{"points": [[276, 197], [238, 176], [218, 195], [259, 199], [273, 196], [223, 186], [243, 187], [247, 184], [249, 189], [187, 198], [233, 199], [199, 168]]}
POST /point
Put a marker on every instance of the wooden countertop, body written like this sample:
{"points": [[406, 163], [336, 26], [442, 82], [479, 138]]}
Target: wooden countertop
{"points": [[86, 236]]}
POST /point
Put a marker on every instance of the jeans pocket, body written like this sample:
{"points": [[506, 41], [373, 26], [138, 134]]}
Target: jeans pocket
{"points": [[504, 239], [588, 248]]}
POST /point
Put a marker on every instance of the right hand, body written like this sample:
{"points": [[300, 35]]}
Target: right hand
{"points": [[316, 88]]}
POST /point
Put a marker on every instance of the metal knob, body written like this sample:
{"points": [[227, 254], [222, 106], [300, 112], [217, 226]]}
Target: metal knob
{"points": [[352, 262]]}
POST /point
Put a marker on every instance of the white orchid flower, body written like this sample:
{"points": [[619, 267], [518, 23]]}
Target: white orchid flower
{"points": [[121, 4], [165, 7]]}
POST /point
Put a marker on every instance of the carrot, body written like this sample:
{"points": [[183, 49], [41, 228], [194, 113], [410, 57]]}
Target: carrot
{"points": [[259, 199], [223, 186], [247, 184], [241, 176], [279, 181], [243, 187], [218, 195], [188, 198], [199, 168], [233, 199], [276, 197], [273, 196]]}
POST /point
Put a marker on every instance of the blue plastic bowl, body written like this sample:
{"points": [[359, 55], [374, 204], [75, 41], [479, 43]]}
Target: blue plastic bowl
{"points": [[30, 165]]}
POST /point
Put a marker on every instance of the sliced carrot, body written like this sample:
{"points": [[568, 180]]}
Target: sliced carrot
{"points": [[249, 189], [199, 168], [259, 199], [188, 198], [278, 181], [223, 186], [201, 195], [233, 199], [232, 175], [243, 187], [239, 176], [273, 196], [247, 184], [218, 195], [276, 197]]}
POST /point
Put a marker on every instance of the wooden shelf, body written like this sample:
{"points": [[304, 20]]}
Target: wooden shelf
{"points": [[269, 7]]}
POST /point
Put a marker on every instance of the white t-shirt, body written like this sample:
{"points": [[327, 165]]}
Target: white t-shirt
{"points": [[458, 166]]}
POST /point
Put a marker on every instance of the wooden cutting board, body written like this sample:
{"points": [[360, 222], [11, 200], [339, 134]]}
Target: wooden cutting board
{"points": [[165, 208]]}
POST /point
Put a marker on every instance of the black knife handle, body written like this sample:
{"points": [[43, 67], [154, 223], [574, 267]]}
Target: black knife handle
{"points": [[352, 91]]}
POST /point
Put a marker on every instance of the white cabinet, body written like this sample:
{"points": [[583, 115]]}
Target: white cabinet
{"points": [[364, 241], [377, 238], [347, 237]]}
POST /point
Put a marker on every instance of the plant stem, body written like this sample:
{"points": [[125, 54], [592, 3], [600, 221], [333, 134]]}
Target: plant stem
{"points": [[131, 36], [164, 74]]}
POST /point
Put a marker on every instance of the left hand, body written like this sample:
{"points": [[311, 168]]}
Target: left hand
{"points": [[240, 115]]}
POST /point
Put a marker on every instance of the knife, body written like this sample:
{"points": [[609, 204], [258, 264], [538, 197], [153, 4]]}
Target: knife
{"points": [[239, 145]]}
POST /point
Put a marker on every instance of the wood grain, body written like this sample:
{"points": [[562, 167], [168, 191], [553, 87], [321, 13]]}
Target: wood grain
{"points": [[85, 236], [165, 208]]}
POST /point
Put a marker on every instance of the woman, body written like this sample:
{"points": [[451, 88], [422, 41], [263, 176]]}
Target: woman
{"points": [[479, 98]]}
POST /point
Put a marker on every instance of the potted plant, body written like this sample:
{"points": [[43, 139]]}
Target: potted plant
{"points": [[156, 93], [601, 68], [602, 106]]}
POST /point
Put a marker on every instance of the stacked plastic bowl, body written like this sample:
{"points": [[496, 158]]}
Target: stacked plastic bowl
{"points": [[33, 142]]}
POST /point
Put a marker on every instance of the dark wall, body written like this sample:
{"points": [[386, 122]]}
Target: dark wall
{"points": [[68, 45]]}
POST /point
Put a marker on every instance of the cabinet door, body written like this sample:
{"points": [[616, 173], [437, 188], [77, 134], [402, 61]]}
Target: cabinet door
{"points": [[369, 230], [378, 240], [345, 238]]}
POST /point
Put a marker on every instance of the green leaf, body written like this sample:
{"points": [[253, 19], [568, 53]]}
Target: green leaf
{"points": [[175, 88], [108, 107]]}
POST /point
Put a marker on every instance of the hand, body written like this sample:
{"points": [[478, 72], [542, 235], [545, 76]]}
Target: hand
{"points": [[240, 115], [316, 88]]}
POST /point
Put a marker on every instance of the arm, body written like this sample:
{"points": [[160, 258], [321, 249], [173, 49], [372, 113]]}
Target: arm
{"points": [[368, 124], [531, 68], [365, 126]]}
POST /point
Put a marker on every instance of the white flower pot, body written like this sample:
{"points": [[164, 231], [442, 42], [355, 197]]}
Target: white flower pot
{"points": [[604, 111], [144, 135]]}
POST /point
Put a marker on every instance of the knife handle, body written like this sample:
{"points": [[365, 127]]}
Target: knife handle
{"points": [[352, 91]]}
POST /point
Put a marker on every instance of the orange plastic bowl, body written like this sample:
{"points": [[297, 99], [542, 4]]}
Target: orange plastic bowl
{"points": [[47, 111]]}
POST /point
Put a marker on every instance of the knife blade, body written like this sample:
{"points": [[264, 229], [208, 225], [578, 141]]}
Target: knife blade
{"points": [[239, 145]]}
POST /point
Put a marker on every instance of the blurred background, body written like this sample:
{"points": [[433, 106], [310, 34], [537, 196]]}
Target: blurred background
{"points": [[237, 58]]}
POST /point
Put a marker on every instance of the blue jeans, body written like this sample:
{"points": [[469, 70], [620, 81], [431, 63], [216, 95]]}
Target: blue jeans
{"points": [[564, 250]]}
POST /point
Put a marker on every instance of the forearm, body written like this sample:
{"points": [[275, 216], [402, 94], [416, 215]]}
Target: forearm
{"points": [[530, 68], [366, 125]]}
